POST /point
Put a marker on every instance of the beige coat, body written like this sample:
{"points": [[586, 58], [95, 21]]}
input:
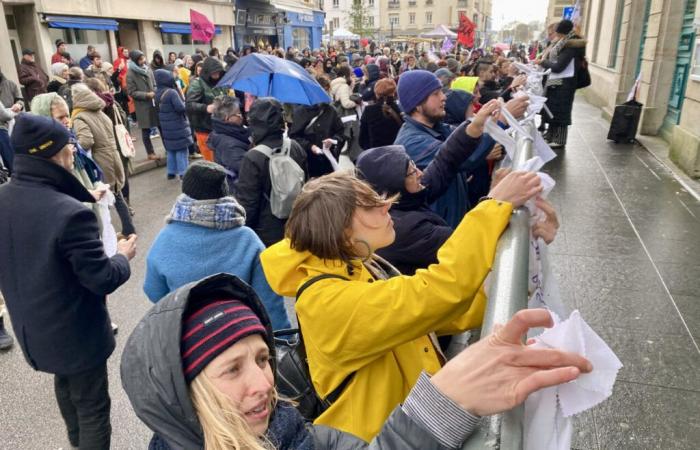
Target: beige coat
{"points": [[95, 133], [341, 92]]}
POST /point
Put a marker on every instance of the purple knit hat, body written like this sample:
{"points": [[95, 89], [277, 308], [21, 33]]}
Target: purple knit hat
{"points": [[209, 331]]}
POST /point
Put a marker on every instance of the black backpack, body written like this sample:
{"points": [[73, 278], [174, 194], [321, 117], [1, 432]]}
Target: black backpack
{"points": [[293, 377], [583, 76]]}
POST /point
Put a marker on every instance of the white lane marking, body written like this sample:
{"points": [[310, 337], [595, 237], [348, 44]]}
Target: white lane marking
{"points": [[639, 237], [686, 208], [647, 166]]}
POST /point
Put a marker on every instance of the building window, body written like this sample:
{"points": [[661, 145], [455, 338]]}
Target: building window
{"points": [[335, 3], [696, 63], [336, 22], [394, 19], [612, 59], [428, 2], [370, 21], [429, 17], [76, 36], [176, 39], [394, 4], [411, 3], [411, 18], [300, 37], [371, 3]]}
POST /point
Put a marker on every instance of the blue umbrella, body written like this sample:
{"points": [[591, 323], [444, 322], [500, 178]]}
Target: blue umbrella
{"points": [[270, 76]]}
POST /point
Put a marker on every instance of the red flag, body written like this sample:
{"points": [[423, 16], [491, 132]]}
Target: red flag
{"points": [[202, 29], [465, 32]]}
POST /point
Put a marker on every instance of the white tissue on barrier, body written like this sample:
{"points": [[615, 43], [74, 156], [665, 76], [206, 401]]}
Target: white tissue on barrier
{"points": [[513, 122], [501, 136], [547, 420], [536, 102], [542, 149]]}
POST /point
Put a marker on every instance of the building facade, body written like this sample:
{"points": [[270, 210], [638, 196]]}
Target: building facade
{"points": [[338, 15], [415, 17], [106, 24], [657, 41]]}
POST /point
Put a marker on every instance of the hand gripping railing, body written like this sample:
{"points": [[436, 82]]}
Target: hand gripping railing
{"points": [[507, 294]]}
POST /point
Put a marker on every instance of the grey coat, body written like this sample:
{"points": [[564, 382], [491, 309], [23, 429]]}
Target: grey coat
{"points": [[9, 95], [137, 86], [151, 373]]}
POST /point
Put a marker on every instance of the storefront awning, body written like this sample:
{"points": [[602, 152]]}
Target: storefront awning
{"points": [[82, 23], [180, 28]]}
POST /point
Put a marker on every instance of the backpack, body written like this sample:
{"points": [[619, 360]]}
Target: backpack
{"points": [[293, 377], [286, 178]]}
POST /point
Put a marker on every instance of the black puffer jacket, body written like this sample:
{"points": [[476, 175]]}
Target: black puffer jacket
{"points": [[254, 186], [55, 274], [420, 232], [327, 125], [151, 374]]}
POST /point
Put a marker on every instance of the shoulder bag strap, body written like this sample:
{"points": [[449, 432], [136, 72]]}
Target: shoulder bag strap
{"points": [[264, 149], [335, 393]]}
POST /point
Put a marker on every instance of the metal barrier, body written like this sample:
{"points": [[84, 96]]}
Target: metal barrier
{"points": [[508, 294]]}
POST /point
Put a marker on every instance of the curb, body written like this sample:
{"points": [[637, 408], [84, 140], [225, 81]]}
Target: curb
{"points": [[146, 166]]}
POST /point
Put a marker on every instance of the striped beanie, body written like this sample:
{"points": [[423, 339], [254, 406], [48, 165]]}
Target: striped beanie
{"points": [[210, 330]]}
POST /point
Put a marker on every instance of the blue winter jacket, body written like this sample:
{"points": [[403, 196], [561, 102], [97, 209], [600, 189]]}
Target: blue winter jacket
{"points": [[422, 144], [175, 127], [230, 142], [185, 252]]}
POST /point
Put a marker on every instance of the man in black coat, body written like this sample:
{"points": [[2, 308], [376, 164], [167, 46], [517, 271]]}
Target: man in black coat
{"points": [[55, 276]]}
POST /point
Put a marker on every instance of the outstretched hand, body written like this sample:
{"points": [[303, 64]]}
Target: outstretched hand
{"points": [[547, 228], [476, 126], [499, 372]]}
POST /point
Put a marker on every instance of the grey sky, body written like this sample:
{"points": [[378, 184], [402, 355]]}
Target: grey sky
{"points": [[505, 11]]}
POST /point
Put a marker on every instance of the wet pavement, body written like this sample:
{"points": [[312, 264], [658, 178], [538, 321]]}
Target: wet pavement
{"points": [[627, 256]]}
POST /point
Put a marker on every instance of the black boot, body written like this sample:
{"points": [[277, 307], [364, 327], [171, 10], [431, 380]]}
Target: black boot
{"points": [[6, 341]]}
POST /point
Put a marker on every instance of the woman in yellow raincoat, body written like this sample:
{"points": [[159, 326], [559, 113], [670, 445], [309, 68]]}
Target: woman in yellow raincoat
{"points": [[375, 323]]}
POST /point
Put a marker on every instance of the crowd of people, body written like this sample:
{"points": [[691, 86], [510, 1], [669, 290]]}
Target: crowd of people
{"points": [[386, 262]]}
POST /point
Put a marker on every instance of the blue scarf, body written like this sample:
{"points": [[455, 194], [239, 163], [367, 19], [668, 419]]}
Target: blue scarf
{"points": [[136, 68], [221, 213], [287, 429]]}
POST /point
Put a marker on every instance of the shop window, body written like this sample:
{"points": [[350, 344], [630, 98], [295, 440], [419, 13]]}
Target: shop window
{"points": [[301, 38], [176, 39], [80, 37]]}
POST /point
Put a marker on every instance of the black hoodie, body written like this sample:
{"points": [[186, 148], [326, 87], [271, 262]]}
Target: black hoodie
{"points": [[420, 232], [157, 62], [266, 124], [201, 93]]}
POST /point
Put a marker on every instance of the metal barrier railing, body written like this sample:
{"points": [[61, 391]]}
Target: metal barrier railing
{"points": [[507, 294]]}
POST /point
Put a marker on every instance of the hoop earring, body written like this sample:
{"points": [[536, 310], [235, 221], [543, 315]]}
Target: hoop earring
{"points": [[369, 249]]}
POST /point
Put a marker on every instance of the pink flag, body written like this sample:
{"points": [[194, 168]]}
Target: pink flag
{"points": [[202, 29]]}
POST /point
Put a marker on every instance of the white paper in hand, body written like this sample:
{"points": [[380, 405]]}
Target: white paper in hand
{"points": [[109, 234], [501, 136], [547, 421]]}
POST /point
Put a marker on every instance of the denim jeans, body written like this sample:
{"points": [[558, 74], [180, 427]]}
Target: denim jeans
{"points": [[177, 162], [6, 152], [84, 402]]}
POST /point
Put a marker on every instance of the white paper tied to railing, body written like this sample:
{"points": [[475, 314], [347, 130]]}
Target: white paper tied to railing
{"points": [[535, 74], [109, 234], [536, 103], [513, 122], [548, 412], [501, 136]]}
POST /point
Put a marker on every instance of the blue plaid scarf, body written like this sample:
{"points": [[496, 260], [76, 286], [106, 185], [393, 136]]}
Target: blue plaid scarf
{"points": [[221, 213]]}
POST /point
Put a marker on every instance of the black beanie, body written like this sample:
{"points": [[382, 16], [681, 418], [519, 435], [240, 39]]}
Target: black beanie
{"points": [[565, 27], [38, 136], [205, 180]]}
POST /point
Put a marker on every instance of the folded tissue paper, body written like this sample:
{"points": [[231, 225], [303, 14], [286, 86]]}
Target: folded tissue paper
{"points": [[548, 412]]}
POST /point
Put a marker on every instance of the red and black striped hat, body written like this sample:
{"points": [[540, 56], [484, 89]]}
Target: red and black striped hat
{"points": [[209, 331]]}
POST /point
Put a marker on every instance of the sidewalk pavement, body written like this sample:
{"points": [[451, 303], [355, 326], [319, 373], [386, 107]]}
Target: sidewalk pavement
{"points": [[628, 257]]}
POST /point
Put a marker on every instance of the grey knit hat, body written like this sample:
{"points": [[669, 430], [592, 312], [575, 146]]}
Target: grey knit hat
{"points": [[205, 180]]}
